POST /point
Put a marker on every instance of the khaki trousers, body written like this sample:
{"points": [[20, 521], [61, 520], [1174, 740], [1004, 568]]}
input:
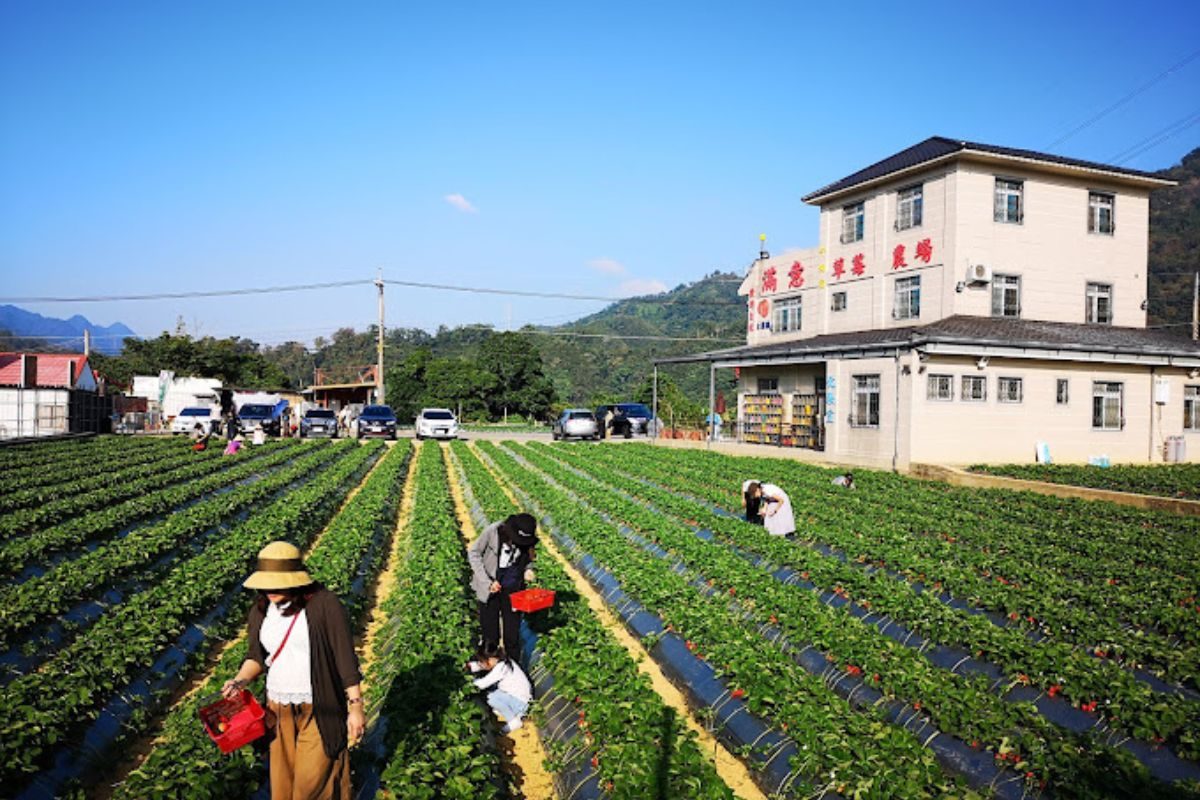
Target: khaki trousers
{"points": [[300, 770]]}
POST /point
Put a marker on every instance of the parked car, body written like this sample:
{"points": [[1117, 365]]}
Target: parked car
{"points": [[437, 423], [271, 418], [628, 419], [319, 422], [377, 421], [188, 418], [578, 422]]}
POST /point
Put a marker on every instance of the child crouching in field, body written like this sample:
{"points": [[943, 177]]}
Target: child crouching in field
{"points": [[512, 693]]}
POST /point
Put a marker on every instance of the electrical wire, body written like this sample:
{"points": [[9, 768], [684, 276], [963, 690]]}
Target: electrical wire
{"points": [[1105, 112], [1156, 138]]}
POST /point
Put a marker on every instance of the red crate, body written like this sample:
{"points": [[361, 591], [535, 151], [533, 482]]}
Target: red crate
{"points": [[532, 599], [233, 722]]}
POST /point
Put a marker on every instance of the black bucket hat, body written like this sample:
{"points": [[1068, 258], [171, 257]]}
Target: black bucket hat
{"points": [[522, 529]]}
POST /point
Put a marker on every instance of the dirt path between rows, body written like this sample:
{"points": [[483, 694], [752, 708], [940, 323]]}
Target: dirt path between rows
{"points": [[729, 767], [138, 751], [524, 761]]}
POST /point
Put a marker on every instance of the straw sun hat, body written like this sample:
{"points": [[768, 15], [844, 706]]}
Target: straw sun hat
{"points": [[279, 567]]}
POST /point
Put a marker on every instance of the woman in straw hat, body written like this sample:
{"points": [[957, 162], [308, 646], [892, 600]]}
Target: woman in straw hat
{"points": [[300, 636], [501, 563]]}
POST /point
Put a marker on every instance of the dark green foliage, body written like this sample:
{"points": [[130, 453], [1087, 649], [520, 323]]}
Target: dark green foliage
{"points": [[1175, 246], [235, 361]]}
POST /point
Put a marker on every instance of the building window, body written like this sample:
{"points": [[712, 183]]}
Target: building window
{"points": [[1099, 303], [1009, 390], [768, 385], [1100, 213], [866, 402], [839, 301], [787, 315], [941, 387], [1107, 406], [1010, 200], [974, 388], [1006, 295], [853, 220], [909, 204], [1191, 408], [1062, 391], [907, 304]]}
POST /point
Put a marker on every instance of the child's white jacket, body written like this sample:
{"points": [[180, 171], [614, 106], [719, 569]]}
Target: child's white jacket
{"points": [[507, 677]]}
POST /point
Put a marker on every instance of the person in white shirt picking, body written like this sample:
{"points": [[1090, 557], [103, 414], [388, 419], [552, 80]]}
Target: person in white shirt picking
{"points": [[512, 693]]}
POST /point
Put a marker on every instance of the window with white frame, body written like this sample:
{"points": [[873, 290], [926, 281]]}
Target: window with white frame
{"points": [[974, 389], [853, 223], [865, 412], [941, 387], [907, 302], [1010, 200], [1099, 304], [768, 385], [909, 204], [1108, 413], [1009, 390], [1062, 391], [1006, 295], [838, 301], [787, 315], [1100, 213], [1191, 408]]}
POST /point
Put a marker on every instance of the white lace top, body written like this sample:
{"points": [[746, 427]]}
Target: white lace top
{"points": [[289, 678]]}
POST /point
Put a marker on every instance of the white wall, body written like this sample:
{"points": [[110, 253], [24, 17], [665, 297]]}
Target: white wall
{"points": [[32, 412]]}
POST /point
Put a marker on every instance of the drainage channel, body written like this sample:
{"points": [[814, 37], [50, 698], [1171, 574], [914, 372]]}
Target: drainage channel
{"points": [[734, 724], [93, 753], [1163, 764]]}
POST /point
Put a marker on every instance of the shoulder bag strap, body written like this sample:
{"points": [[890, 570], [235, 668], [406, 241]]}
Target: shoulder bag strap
{"points": [[271, 658]]}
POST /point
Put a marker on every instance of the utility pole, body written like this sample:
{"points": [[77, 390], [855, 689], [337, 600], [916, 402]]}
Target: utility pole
{"points": [[1196, 308], [379, 346]]}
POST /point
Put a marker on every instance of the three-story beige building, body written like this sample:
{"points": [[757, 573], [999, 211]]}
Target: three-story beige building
{"points": [[968, 303]]}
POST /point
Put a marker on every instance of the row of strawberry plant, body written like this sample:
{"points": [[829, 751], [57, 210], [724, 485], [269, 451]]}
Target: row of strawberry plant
{"points": [[67, 582], [1165, 480], [208, 476], [841, 748], [1132, 624], [430, 744], [82, 473], [32, 519], [39, 710], [1062, 670], [621, 716], [62, 451], [184, 762], [960, 706]]}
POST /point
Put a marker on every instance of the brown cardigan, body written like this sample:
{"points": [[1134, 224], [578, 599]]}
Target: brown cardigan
{"points": [[334, 663]]}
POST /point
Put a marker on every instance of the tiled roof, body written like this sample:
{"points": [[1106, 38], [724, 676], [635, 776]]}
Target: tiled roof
{"points": [[52, 369], [981, 331], [937, 147]]}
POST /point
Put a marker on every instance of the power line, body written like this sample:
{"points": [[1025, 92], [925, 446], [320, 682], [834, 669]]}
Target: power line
{"points": [[342, 284], [608, 335], [1105, 112], [1156, 138]]}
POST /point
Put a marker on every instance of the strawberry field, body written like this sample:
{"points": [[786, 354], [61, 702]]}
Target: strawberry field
{"points": [[914, 639], [1164, 480]]}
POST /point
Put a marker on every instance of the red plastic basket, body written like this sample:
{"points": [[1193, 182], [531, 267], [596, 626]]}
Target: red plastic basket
{"points": [[233, 722], [532, 599]]}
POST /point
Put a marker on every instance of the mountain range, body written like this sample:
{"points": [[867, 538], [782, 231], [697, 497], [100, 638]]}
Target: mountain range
{"points": [[59, 334]]}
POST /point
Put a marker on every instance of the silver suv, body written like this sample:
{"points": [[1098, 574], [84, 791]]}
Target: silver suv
{"points": [[577, 422]]}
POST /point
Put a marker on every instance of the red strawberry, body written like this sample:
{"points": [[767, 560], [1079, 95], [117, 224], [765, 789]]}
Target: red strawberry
{"points": [[738, 694], [690, 644], [595, 762]]}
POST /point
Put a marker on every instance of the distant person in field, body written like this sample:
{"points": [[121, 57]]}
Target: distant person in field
{"points": [[846, 481], [512, 691], [260, 436], [234, 445], [343, 418], [231, 426], [300, 636], [501, 564], [752, 502], [775, 507], [200, 438]]}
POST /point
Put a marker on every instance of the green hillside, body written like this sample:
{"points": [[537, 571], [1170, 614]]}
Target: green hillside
{"points": [[1175, 246]]}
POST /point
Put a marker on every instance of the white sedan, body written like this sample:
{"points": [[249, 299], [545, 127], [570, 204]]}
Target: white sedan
{"points": [[436, 423]]}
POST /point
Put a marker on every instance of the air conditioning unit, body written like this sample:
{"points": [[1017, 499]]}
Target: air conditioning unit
{"points": [[979, 273]]}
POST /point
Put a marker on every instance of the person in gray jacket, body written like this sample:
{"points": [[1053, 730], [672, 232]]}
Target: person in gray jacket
{"points": [[501, 563]]}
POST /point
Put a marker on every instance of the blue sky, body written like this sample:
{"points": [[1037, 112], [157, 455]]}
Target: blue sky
{"points": [[588, 148]]}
